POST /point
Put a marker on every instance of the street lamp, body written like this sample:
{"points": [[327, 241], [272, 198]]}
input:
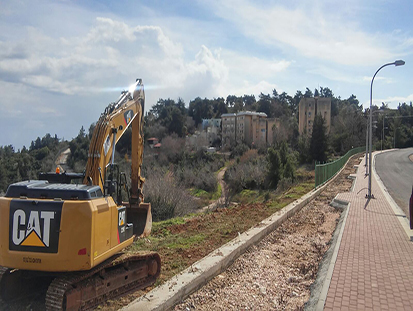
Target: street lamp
{"points": [[367, 147], [396, 63], [367, 142]]}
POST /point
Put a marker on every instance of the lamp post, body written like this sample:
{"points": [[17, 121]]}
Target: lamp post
{"points": [[367, 143], [396, 63], [367, 147]]}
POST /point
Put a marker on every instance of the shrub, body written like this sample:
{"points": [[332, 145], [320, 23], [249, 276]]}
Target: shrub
{"points": [[239, 150], [247, 175], [166, 197], [197, 177]]}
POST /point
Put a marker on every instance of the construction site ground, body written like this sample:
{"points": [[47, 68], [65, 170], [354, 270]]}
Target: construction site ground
{"points": [[277, 273]]}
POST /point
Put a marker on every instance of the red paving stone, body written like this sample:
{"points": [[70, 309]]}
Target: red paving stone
{"points": [[374, 267]]}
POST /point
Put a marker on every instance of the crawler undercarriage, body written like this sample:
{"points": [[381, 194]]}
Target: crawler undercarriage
{"points": [[84, 290]]}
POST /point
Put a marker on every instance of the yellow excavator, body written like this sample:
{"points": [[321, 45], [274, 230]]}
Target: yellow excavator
{"points": [[70, 235]]}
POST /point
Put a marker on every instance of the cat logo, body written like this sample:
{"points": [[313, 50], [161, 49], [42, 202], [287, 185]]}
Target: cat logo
{"points": [[106, 145], [34, 226], [32, 235], [122, 218], [128, 116], [121, 224]]}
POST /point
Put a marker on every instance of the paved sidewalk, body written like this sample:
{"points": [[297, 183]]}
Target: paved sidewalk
{"points": [[374, 266]]}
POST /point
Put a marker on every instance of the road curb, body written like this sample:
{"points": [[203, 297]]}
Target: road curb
{"points": [[165, 296]]}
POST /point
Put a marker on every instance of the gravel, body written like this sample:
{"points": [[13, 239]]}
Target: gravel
{"points": [[277, 273]]}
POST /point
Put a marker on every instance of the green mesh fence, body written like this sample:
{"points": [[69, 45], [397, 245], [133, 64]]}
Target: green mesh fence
{"points": [[324, 172]]}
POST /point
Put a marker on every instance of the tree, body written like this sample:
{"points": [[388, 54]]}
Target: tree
{"points": [[264, 105], [294, 103], [171, 115], [308, 93], [236, 103], [289, 170], [249, 102], [318, 143], [303, 147], [177, 123], [200, 109], [274, 167], [79, 148], [283, 152], [348, 126], [219, 107], [326, 92]]}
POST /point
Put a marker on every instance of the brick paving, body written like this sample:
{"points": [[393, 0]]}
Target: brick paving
{"points": [[374, 267]]}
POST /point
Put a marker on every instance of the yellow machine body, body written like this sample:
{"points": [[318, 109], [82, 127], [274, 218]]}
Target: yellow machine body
{"points": [[87, 233]]}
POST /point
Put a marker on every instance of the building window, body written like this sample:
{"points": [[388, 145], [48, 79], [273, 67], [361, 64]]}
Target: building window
{"points": [[309, 113]]}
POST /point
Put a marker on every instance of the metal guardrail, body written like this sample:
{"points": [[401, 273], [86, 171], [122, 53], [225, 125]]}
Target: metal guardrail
{"points": [[324, 172]]}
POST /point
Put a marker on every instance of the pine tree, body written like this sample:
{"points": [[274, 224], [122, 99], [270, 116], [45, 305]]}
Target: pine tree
{"points": [[275, 166], [318, 143]]}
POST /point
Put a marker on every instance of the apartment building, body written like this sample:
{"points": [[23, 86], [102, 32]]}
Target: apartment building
{"points": [[251, 128], [307, 110], [228, 122], [212, 129]]}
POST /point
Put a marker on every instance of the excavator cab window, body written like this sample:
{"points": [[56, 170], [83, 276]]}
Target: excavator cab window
{"points": [[112, 173], [115, 182]]}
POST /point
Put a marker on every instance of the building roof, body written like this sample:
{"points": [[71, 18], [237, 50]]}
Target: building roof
{"points": [[252, 113], [245, 113]]}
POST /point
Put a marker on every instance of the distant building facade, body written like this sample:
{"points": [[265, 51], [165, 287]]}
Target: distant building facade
{"points": [[251, 128], [307, 110], [212, 130], [228, 122]]}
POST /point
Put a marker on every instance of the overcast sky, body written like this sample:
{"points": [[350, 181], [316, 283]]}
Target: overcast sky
{"points": [[62, 62]]}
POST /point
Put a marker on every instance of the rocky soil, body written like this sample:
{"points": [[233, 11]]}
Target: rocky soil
{"points": [[277, 273]]}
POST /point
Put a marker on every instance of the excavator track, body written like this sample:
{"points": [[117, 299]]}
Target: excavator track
{"points": [[112, 278]]}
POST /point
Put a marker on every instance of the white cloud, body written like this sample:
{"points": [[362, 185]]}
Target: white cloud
{"points": [[308, 30], [396, 99], [379, 78], [108, 56], [248, 88]]}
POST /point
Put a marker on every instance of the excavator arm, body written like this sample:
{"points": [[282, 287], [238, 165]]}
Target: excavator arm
{"points": [[112, 124]]}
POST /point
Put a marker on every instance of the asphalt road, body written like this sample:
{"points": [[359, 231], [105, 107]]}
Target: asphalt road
{"points": [[396, 171]]}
